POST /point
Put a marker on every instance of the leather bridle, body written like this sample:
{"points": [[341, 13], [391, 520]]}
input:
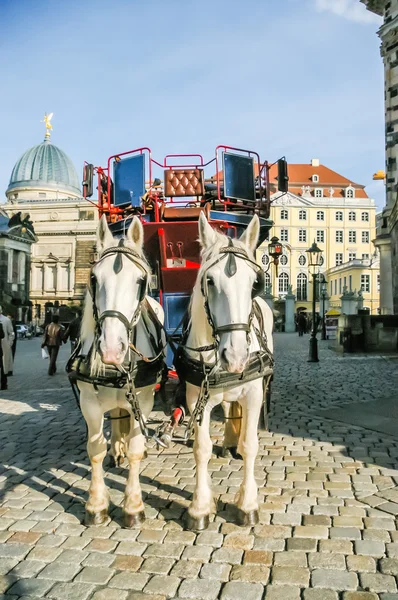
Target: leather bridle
{"points": [[138, 261]]}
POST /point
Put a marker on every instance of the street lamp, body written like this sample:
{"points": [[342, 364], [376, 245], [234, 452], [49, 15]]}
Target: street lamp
{"points": [[275, 250], [314, 261], [323, 286]]}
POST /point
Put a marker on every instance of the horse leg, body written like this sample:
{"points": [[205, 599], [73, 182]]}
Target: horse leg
{"points": [[134, 512], [98, 497], [118, 432], [233, 417], [247, 498], [202, 503]]}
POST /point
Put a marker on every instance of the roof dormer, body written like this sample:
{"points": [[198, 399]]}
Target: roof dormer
{"points": [[349, 192]]}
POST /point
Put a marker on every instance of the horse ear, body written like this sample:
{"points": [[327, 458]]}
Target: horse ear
{"points": [[104, 236], [250, 236], [207, 235], [135, 234]]}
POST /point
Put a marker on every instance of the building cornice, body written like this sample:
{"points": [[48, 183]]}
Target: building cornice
{"points": [[375, 6]]}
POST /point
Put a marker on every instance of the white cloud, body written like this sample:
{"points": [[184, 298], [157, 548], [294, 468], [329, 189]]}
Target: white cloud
{"points": [[352, 10]]}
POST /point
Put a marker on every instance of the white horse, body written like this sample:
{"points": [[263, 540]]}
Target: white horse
{"points": [[120, 325], [228, 330]]}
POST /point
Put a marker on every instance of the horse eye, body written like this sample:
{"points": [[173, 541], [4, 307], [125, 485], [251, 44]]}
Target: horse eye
{"points": [[210, 281]]}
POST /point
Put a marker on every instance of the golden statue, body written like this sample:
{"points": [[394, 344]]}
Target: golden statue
{"points": [[47, 121]]}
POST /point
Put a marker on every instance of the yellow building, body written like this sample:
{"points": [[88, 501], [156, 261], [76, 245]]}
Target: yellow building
{"points": [[324, 206], [353, 277]]}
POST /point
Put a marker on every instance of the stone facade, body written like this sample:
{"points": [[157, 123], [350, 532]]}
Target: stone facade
{"points": [[387, 236]]}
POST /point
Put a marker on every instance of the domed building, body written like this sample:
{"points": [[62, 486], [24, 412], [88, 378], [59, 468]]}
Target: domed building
{"points": [[44, 183]]}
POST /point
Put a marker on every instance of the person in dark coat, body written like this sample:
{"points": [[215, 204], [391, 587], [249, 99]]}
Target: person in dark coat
{"points": [[3, 374], [52, 338], [73, 331], [14, 343], [301, 324]]}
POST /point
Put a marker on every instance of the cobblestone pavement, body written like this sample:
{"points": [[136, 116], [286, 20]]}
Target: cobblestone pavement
{"points": [[322, 534]]}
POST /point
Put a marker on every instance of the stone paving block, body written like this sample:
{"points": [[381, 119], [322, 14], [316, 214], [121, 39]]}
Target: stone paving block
{"points": [[168, 550], [27, 569], [108, 594], [198, 553], [233, 556], [31, 587], [73, 557], [346, 533], [238, 540], [337, 546], [326, 560], [188, 569], [156, 565], [282, 592], [97, 575], [360, 596], [217, 571], [142, 596], [376, 582], [180, 537], [98, 559], [389, 566], [273, 531], [6, 564], [365, 564], [99, 545], [273, 545], [257, 557], [334, 580], [14, 550], [71, 591], [51, 541], [129, 581], [250, 573], [238, 590], [59, 571], [314, 532], [209, 538], [44, 554], [312, 594], [296, 576], [129, 562], [24, 537], [302, 544], [165, 584], [370, 548]]}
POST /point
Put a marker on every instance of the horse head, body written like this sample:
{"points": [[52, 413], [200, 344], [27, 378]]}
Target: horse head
{"points": [[119, 283], [229, 279]]}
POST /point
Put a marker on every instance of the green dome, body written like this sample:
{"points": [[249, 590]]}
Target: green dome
{"points": [[45, 167]]}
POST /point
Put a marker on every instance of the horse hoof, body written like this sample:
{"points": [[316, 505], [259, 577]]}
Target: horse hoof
{"points": [[227, 452], [196, 523], [97, 518], [247, 519], [134, 520]]}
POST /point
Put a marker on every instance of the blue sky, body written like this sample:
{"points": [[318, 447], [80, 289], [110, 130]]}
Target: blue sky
{"points": [[301, 78]]}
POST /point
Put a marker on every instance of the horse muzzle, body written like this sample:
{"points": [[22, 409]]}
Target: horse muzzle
{"points": [[232, 362], [112, 355]]}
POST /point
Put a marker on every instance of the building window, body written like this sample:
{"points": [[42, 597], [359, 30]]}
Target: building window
{"points": [[265, 259], [320, 236], [339, 215], [339, 285], [320, 215], [352, 255], [365, 216], [365, 237], [302, 215], [350, 282], [350, 192], [318, 193], [86, 215], [335, 287], [378, 282], [302, 287], [283, 260], [365, 283], [365, 256], [315, 178], [302, 260], [352, 216], [284, 235], [331, 288], [352, 237], [283, 283], [284, 215], [42, 194], [339, 236], [302, 235], [339, 258], [345, 283]]}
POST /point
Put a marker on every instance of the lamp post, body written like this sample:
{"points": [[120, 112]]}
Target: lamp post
{"points": [[314, 261], [323, 286], [275, 250]]}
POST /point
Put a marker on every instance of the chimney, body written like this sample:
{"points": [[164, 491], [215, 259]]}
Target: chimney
{"points": [[315, 162]]}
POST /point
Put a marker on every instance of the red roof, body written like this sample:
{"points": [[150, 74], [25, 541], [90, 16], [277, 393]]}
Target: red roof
{"points": [[301, 174]]}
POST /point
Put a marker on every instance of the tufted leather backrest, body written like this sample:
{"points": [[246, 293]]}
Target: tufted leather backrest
{"points": [[183, 182]]}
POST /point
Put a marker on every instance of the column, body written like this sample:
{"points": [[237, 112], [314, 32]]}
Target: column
{"points": [[290, 298], [383, 243]]}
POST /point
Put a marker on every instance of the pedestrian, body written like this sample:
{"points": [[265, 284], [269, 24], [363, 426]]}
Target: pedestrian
{"points": [[301, 324], [3, 376], [6, 344], [14, 343], [52, 338], [73, 330]]}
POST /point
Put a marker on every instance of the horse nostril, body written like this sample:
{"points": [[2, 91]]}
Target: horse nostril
{"points": [[122, 346], [224, 355]]}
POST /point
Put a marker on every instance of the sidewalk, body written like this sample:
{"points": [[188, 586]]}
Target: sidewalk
{"points": [[328, 492]]}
